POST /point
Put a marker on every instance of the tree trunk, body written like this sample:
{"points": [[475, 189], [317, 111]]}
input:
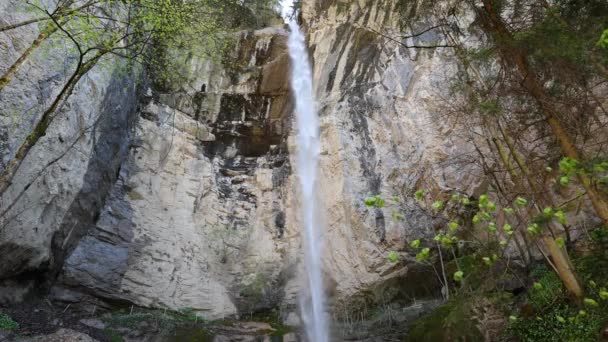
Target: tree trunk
{"points": [[40, 129], [562, 263], [12, 70], [512, 54]]}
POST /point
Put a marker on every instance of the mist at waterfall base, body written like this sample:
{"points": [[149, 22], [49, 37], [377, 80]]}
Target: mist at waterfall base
{"points": [[312, 300]]}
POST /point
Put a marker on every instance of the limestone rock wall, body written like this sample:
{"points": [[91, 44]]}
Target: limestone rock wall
{"points": [[198, 218], [202, 208], [59, 188], [381, 134], [205, 213]]}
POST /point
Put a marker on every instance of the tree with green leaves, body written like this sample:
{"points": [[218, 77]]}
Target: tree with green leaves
{"points": [[159, 35]]}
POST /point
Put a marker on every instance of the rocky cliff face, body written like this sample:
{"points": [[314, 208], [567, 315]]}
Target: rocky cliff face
{"points": [[198, 218], [203, 210], [58, 191]]}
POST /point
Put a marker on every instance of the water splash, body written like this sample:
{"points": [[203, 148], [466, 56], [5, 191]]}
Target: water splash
{"points": [[313, 302]]}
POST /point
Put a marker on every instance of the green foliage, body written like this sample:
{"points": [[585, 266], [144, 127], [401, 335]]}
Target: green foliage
{"points": [[438, 205], [548, 288], [490, 107], [113, 336], [569, 323], [393, 256], [603, 42], [375, 201], [520, 201], [423, 255], [7, 323], [453, 226], [592, 267], [450, 322], [552, 316], [590, 302], [533, 229], [167, 320], [569, 166]]}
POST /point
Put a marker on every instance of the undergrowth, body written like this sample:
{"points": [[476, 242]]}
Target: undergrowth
{"points": [[549, 314], [7, 323]]}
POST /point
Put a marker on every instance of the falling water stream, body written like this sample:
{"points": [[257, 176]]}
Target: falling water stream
{"points": [[312, 303]]}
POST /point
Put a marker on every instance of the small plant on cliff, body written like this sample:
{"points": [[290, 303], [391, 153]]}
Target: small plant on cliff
{"points": [[7, 323]]}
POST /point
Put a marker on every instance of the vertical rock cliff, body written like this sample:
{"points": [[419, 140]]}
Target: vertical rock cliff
{"points": [[56, 195], [195, 205]]}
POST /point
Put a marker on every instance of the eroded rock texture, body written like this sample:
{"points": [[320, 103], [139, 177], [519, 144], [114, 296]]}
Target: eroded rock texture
{"points": [[203, 211], [198, 216], [62, 183]]}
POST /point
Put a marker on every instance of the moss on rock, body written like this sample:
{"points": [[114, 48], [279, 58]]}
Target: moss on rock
{"points": [[452, 321]]}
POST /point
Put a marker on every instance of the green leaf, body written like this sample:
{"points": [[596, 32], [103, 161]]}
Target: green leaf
{"points": [[465, 201], [520, 201], [560, 319], [548, 211], [476, 219], [438, 205], [455, 197], [370, 201], [508, 211], [582, 313], [452, 226], [492, 227], [393, 256], [487, 260], [590, 302], [568, 166], [537, 286], [483, 200], [560, 242], [534, 229], [380, 202], [560, 216], [446, 241], [507, 227], [419, 194], [458, 276], [564, 180], [491, 206], [512, 319], [423, 255], [415, 243], [603, 42]]}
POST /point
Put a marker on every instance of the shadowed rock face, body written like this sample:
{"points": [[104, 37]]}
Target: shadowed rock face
{"points": [[58, 192]]}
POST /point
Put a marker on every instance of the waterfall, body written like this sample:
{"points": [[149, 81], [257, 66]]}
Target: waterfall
{"points": [[313, 299]]}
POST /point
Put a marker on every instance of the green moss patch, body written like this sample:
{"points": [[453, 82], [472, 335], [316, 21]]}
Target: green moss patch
{"points": [[7, 323], [450, 322]]}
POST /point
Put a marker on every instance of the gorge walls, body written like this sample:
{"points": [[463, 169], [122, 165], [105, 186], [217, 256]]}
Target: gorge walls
{"points": [[195, 205]]}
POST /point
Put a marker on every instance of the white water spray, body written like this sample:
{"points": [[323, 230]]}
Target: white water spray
{"points": [[313, 302]]}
